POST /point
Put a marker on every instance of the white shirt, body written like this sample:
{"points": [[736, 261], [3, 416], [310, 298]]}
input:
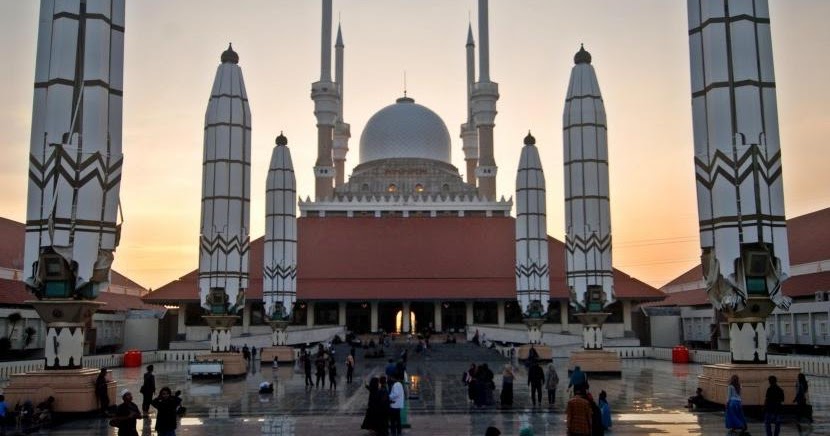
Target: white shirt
{"points": [[396, 396]]}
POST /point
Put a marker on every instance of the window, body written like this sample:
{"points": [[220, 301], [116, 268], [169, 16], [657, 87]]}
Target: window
{"points": [[392, 188], [804, 329], [364, 187], [419, 188], [786, 328], [822, 328]]}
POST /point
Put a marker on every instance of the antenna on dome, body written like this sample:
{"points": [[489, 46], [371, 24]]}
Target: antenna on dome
{"points": [[404, 83]]}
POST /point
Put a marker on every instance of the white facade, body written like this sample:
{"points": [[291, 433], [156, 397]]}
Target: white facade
{"points": [[75, 153], [737, 150], [587, 208], [280, 254], [226, 187], [532, 268]]}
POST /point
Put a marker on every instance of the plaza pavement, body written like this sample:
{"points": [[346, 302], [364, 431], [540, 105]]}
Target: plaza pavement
{"points": [[649, 398]]}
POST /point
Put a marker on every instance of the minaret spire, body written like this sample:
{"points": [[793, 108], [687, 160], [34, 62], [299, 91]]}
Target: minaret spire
{"points": [[469, 135], [326, 108], [484, 97], [342, 133]]}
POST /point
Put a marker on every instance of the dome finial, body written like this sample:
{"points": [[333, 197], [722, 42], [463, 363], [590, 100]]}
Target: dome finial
{"points": [[229, 55], [582, 56], [282, 140], [529, 139]]}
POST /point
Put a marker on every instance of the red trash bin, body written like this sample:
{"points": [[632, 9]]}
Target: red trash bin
{"points": [[132, 359], [680, 354]]}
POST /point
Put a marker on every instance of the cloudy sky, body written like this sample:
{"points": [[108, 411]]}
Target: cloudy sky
{"points": [[640, 52]]}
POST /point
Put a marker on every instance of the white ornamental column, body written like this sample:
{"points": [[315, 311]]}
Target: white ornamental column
{"points": [[532, 268], [587, 202], [279, 285], [743, 234], [226, 191], [75, 162]]}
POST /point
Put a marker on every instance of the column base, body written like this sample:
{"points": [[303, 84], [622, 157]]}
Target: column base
{"points": [[545, 352], [233, 363], [596, 362], [73, 389], [283, 354], [754, 381]]}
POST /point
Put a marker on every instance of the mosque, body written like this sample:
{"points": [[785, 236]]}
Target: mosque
{"points": [[405, 243]]}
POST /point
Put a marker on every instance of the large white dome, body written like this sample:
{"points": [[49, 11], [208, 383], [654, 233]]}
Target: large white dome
{"points": [[405, 129]]}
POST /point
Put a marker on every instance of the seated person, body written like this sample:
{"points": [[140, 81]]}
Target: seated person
{"points": [[698, 401], [43, 413], [266, 388]]}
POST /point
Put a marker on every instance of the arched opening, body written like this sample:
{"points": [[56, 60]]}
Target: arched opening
{"points": [[399, 322]]}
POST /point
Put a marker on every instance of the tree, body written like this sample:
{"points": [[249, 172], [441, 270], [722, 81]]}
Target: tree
{"points": [[13, 319], [28, 336]]}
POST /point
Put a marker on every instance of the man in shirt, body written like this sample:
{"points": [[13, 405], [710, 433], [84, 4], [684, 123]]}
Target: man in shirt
{"points": [[396, 400], [578, 414], [772, 407]]}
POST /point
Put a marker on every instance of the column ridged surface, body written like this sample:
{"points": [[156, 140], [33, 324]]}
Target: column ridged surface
{"points": [[587, 211], [74, 182], [532, 267], [280, 257], [737, 149], [226, 187]]}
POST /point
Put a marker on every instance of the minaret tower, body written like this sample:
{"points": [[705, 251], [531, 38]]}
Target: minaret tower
{"points": [[743, 234], [226, 192], [75, 162], [532, 270], [587, 211], [279, 287], [342, 131], [484, 96], [469, 134], [326, 108]]}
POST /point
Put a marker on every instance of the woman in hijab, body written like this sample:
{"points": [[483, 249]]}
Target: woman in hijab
{"points": [[551, 381], [735, 420], [579, 381], [507, 378]]}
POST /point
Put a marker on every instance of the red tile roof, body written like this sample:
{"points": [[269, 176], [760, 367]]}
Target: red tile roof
{"points": [[366, 258], [808, 238], [14, 293]]}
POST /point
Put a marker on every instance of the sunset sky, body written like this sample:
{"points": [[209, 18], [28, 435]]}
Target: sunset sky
{"points": [[640, 52]]}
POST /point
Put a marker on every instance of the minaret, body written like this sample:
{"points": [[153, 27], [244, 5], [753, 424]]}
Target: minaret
{"points": [[743, 234], [75, 165], [587, 211], [326, 106], [342, 131], [469, 135], [532, 271], [279, 287], [484, 96], [226, 193]]}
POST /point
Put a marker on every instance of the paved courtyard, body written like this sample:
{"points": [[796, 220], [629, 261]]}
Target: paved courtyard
{"points": [[649, 398]]}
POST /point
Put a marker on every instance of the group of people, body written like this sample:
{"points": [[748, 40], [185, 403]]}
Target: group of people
{"points": [[773, 405], [30, 416], [584, 415], [324, 362], [386, 399], [249, 354]]}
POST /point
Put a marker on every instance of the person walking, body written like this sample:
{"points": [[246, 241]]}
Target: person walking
{"points": [[551, 381], [332, 374], [102, 392], [4, 412], [166, 406], [535, 378], [148, 389], [349, 367], [772, 407], [320, 364], [396, 401], [507, 378], [578, 414], [579, 380], [253, 353], [307, 368], [802, 408], [735, 420], [375, 418], [126, 415], [604, 410], [469, 379]]}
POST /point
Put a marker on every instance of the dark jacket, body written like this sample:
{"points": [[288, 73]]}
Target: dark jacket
{"points": [[166, 417], [126, 417], [774, 399], [535, 375]]}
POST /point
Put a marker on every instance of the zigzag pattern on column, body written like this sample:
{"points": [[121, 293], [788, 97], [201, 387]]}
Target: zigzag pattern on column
{"points": [[226, 246], [280, 271], [94, 167], [532, 270], [723, 166], [578, 243]]}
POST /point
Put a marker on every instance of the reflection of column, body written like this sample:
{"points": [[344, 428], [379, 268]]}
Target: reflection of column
{"points": [[181, 328], [405, 316], [563, 315], [469, 312], [341, 313], [500, 311], [436, 324], [246, 318], [626, 308], [309, 317], [374, 316]]}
